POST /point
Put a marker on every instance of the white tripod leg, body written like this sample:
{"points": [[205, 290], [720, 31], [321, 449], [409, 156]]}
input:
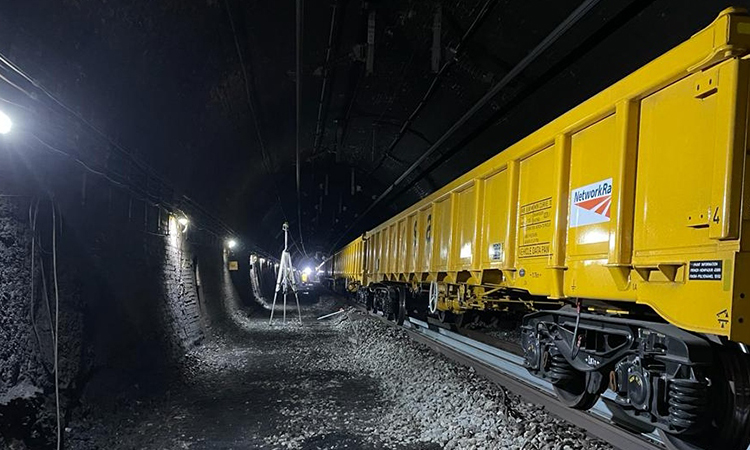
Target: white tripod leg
{"points": [[296, 297], [287, 266], [276, 292]]}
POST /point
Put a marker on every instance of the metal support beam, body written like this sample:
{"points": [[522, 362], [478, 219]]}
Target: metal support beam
{"points": [[370, 62], [437, 29]]}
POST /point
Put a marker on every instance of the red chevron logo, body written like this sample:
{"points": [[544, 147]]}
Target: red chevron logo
{"points": [[599, 205], [590, 204]]}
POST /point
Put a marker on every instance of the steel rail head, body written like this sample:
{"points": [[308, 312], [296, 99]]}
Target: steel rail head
{"points": [[469, 352]]}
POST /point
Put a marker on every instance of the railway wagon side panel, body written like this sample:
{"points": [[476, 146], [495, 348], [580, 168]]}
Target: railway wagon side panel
{"points": [[385, 262], [338, 263], [369, 258], [359, 260], [348, 262], [690, 163], [495, 220], [384, 243], [442, 222], [364, 259], [345, 261], [385, 250], [594, 170], [393, 248], [465, 246], [403, 245], [651, 195], [378, 253], [352, 261], [411, 253], [426, 239], [534, 227], [374, 248], [357, 257]]}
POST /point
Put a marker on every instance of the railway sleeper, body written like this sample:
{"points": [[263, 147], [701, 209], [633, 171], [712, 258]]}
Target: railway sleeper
{"points": [[689, 386]]}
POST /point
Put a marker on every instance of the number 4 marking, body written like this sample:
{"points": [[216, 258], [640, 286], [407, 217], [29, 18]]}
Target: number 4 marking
{"points": [[716, 215]]}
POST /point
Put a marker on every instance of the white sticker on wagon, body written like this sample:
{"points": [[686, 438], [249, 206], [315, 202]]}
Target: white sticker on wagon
{"points": [[591, 204]]}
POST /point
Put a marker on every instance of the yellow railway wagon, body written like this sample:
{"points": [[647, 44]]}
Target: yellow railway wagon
{"points": [[632, 196], [348, 264], [623, 225]]}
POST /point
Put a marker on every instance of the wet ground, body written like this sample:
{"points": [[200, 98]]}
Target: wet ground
{"points": [[346, 382]]}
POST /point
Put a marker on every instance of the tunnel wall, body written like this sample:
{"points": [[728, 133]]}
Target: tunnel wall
{"points": [[24, 361], [27, 325], [182, 310], [241, 279], [222, 297], [130, 302]]}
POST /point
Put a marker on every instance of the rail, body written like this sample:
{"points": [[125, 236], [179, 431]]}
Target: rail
{"points": [[507, 369]]}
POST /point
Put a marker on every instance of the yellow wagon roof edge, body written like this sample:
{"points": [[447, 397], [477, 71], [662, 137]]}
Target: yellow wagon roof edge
{"points": [[717, 38]]}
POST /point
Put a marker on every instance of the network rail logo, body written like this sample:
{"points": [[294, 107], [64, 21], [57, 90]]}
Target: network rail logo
{"points": [[591, 204]]}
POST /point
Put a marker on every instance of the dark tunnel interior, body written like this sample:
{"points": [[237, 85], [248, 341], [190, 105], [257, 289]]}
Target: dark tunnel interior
{"points": [[148, 134]]}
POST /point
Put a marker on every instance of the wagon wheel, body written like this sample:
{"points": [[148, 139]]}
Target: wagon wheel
{"points": [[727, 424], [401, 312], [573, 394], [677, 442], [463, 319], [369, 301], [433, 297], [390, 306]]}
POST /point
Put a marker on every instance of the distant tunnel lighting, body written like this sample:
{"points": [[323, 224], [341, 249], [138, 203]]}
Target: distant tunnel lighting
{"points": [[184, 222], [231, 243], [5, 123], [307, 270]]}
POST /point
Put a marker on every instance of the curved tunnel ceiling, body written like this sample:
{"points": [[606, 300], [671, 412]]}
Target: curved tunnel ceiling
{"points": [[163, 78]]}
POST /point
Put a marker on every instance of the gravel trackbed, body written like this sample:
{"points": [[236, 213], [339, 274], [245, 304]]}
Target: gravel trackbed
{"points": [[346, 382]]}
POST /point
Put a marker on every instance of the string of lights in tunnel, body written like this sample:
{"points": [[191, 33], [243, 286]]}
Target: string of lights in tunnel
{"points": [[7, 125]]}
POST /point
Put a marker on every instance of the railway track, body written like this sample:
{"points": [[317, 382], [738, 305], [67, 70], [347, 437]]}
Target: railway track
{"points": [[506, 369]]}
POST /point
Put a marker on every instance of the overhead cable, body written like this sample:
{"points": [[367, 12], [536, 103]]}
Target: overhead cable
{"points": [[143, 166], [326, 76], [563, 27], [613, 24], [298, 94], [57, 324], [478, 19], [265, 159]]}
